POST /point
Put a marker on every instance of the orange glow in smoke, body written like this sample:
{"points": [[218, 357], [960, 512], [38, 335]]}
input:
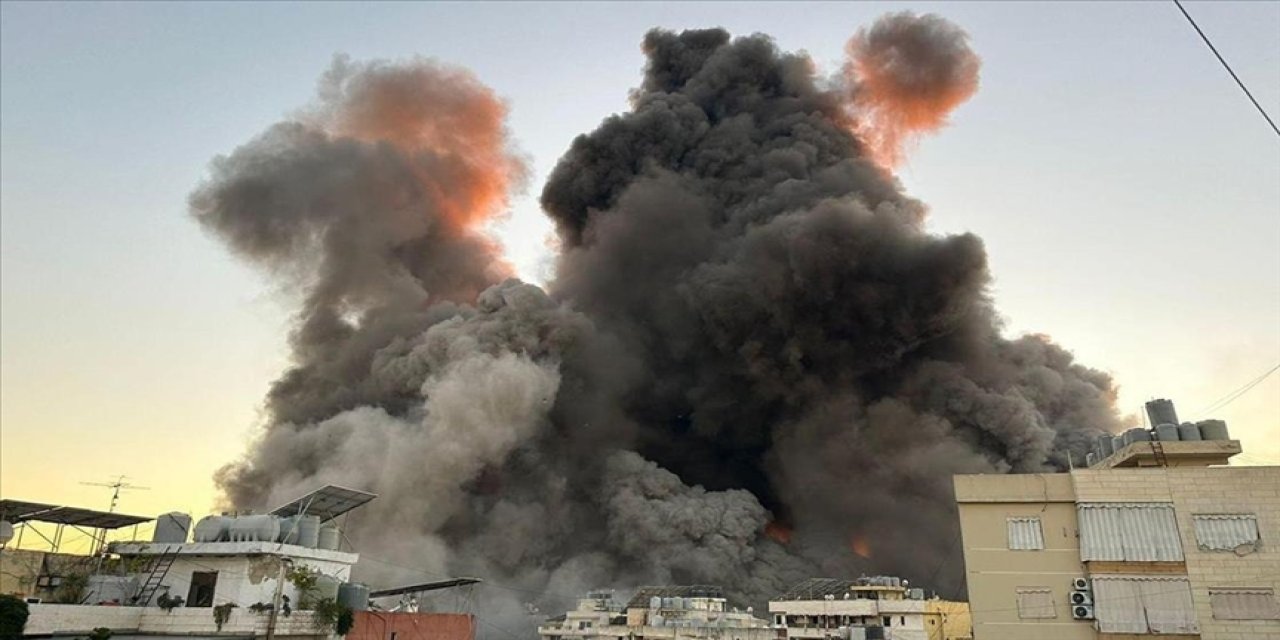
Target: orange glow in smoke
{"points": [[860, 546], [778, 532]]}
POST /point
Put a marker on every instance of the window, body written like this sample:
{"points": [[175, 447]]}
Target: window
{"points": [[1226, 532], [1144, 604], [203, 584], [1243, 604], [1036, 603], [888, 621], [1134, 532], [1025, 534]]}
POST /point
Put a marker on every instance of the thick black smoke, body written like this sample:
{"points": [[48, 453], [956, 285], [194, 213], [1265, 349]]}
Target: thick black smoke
{"points": [[753, 366]]}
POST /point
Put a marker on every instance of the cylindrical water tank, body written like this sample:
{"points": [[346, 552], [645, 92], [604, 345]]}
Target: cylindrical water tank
{"points": [[1160, 411], [260, 528], [329, 537], [1188, 432], [171, 527], [288, 530], [1167, 433], [1137, 435], [1213, 430], [308, 531], [1104, 446], [1118, 443], [213, 529], [326, 588], [655, 602], [353, 596]]}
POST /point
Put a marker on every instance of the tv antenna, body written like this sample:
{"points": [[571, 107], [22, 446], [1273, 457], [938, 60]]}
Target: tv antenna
{"points": [[116, 487]]}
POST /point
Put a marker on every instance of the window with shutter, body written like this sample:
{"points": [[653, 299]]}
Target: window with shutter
{"points": [[1242, 603], [1036, 603], [1025, 534]]}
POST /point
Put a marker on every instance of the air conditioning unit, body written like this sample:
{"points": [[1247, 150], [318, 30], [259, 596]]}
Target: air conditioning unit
{"points": [[1080, 584], [1082, 611], [1081, 597]]}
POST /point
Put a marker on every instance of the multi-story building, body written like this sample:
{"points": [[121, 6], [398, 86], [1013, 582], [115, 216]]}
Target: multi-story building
{"points": [[1157, 538], [658, 613], [867, 608]]}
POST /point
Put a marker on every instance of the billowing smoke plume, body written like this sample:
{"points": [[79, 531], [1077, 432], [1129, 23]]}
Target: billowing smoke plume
{"points": [[907, 73], [753, 365]]}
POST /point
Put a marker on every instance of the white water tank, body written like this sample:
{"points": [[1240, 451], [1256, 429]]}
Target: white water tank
{"points": [[171, 528], [329, 537], [261, 528], [213, 529], [354, 595], [308, 532]]}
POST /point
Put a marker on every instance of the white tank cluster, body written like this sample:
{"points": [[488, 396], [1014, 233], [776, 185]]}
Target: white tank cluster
{"points": [[303, 531], [1161, 413]]}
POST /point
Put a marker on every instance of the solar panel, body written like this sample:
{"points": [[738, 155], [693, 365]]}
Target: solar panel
{"points": [[328, 502], [20, 511], [426, 586], [16, 511]]}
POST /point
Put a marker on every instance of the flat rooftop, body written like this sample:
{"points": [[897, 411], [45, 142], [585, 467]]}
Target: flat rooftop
{"points": [[232, 549], [1175, 453]]}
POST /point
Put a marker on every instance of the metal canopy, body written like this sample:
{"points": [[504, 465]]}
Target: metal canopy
{"points": [[328, 502], [818, 588], [20, 511], [16, 511], [426, 586]]}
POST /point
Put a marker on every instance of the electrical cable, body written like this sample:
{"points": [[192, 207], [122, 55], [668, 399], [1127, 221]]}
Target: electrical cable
{"points": [[1226, 66], [1231, 397]]}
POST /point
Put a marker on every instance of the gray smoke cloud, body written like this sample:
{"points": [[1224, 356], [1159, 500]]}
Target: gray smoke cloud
{"points": [[753, 365]]}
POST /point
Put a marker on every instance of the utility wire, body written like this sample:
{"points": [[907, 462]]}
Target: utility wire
{"points": [[1228, 67], [1231, 397]]}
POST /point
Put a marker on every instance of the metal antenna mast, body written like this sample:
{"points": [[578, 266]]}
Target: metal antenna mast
{"points": [[100, 542], [115, 487]]}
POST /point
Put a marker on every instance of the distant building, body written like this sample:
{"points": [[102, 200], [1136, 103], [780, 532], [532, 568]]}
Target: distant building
{"points": [[669, 613], [1151, 539], [867, 608]]}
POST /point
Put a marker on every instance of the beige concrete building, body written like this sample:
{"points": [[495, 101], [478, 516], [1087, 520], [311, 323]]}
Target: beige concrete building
{"points": [[866, 608], [658, 613], [1151, 540]]}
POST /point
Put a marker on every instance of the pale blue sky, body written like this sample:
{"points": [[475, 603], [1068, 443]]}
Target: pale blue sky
{"points": [[1128, 193]]}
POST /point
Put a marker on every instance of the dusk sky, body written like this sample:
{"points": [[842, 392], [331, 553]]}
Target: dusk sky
{"points": [[1127, 192]]}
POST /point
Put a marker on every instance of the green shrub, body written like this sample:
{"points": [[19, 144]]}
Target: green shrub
{"points": [[13, 617]]}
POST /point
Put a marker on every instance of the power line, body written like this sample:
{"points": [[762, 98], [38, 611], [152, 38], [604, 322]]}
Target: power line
{"points": [[1231, 397], [1228, 67]]}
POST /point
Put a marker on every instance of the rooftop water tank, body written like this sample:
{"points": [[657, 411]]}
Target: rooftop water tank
{"points": [[655, 602], [1104, 446], [171, 527], [213, 529], [1213, 430], [303, 531], [1188, 432], [916, 594], [354, 596], [1167, 433], [1117, 443], [1160, 411], [1090, 459], [326, 589], [261, 528], [329, 537], [1137, 434]]}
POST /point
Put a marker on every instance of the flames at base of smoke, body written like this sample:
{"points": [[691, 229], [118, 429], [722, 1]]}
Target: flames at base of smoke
{"points": [[907, 73]]}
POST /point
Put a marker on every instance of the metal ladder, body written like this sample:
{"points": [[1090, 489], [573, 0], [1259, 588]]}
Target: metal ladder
{"points": [[159, 569], [1157, 449]]}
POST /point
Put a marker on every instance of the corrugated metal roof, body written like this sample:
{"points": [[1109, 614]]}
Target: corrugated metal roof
{"points": [[1025, 534], [1226, 532], [1135, 532]]}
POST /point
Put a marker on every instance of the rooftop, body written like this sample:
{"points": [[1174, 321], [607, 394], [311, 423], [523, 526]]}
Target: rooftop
{"points": [[1171, 453]]}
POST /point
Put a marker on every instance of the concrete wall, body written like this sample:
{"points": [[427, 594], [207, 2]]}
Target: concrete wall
{"points": [[244, 580], [19, 569], [994, 572], [127, 622], [1208, 490]]}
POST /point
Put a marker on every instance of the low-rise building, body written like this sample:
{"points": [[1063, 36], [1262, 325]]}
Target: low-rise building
{"points": [[658, 613], [1154, 538], [866, 608]]}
